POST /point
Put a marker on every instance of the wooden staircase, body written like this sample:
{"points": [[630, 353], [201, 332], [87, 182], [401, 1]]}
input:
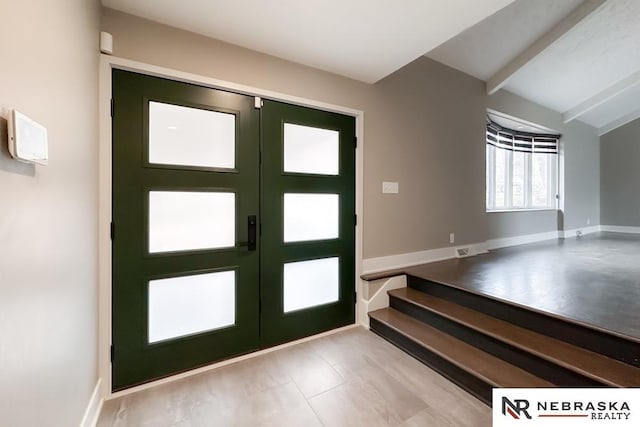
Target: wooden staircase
{"points": [[481, 343]]}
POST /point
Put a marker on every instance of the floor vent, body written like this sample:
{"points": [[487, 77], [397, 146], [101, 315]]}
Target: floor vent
{"points": [[463, 252]]}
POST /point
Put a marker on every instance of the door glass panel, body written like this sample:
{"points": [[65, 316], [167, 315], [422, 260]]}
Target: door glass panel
{"points": [[191, 220], [311, 150], [186, 305], [191, 137], [311, 283], [310, 216]]}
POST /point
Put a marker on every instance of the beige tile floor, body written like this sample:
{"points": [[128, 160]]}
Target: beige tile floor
{"points": [[352, 378]]}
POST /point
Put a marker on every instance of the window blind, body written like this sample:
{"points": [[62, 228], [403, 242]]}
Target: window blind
{"points": [[526, 142]]}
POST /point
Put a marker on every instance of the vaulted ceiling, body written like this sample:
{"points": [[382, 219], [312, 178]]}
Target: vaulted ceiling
{"points": [[580, 58], [577, 57]]}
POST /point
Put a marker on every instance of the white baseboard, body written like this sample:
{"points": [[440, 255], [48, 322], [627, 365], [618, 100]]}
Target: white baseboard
{"points": [[392, 262], [91, 414], [506, 242], [381, 298], [574, 232], [620, 229]]}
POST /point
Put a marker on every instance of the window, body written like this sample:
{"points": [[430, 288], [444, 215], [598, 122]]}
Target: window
{"points": [[522, 169]]}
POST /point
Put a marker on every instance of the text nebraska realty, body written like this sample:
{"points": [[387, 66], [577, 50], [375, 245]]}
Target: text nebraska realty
{"points": [[598, 410]]}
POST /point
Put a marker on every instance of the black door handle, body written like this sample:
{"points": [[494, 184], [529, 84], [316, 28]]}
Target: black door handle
{"points": [[251, 232]]}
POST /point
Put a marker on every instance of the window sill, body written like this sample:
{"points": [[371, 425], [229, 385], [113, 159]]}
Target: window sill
{"points": [[521, 210]]}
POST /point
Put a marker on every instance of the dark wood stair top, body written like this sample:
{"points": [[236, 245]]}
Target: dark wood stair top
{"points": [[593, 365], [490, 369], [383, 274]]}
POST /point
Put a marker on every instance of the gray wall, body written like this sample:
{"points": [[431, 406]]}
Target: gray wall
{"points": [[510, 224], [581, 148], [620, 176], [408, 120], [580, 175], [48, 214]]}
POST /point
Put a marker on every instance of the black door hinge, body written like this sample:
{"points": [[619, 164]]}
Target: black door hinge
{"points": [[355, 219], [355, 141], [113, 354], [112, 107], [112, 231], [355, 297]]}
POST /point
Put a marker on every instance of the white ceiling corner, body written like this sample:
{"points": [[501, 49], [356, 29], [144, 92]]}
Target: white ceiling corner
{"points": [[361, 39], [603, 97], [605, 113], [621, 121], [514, 123]]}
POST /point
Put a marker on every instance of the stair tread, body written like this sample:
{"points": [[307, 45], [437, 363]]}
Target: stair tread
{"points": [[577, 359], [491, 369]]}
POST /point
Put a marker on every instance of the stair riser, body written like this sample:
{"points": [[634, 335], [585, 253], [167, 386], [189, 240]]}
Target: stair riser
{"points": [[462, 378], [539, 367], [600, 342]]}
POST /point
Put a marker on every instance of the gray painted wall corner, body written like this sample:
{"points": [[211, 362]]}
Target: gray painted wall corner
{"points": [[620, 176]]}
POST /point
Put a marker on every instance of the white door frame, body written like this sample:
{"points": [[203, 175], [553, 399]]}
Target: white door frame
{"points": [[107, 63]]}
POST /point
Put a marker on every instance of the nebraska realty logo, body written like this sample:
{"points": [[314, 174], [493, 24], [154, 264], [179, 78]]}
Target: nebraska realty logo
{"points": [[566, 407], [516, 409]]}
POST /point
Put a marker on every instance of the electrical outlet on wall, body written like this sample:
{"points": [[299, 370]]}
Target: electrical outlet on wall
{"points": [[588, 221], [452, 237]]}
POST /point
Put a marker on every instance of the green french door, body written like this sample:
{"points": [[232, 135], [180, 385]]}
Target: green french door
{"points": [[308, 217], [233, 225]]}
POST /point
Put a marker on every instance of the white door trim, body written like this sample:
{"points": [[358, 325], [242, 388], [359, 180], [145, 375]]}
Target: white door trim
{"points": [[107, 63]]}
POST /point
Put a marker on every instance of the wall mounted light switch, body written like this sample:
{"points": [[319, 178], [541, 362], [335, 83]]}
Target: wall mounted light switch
{"points": [[390, 188]]}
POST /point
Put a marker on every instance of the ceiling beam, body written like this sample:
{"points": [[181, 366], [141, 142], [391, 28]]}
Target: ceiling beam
{"points": [[499, 79], [601, 97], [619, 122]]}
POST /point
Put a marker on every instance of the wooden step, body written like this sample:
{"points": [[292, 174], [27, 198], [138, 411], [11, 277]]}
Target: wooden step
{"points": [[611, 344], [587, 363], [491, 370]]}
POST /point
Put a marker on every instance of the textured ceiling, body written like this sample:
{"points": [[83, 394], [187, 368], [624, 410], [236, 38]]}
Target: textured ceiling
{"points": [[593, 67], [489, 45], [362, 39], [612, 110], [603, 49]]}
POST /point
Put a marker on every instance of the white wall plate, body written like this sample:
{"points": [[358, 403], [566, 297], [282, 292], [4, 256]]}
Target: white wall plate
{"points": [[27, 139]]}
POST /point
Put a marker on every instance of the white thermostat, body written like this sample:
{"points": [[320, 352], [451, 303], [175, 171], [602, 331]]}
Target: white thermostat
{"points": [[27, 139]]}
